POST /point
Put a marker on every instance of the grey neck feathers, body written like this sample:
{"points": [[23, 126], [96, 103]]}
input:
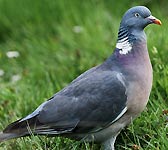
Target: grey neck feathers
{"points": [[127, 37]]}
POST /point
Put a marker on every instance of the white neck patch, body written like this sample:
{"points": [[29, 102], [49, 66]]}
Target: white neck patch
{"points": [[124, 45]]}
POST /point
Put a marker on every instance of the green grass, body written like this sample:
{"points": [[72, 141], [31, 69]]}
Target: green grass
{"points": [[52, 55]]}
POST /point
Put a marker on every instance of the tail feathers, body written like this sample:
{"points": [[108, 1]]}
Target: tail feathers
{"points": [[19, 128], [7, 136], [33, 126]]}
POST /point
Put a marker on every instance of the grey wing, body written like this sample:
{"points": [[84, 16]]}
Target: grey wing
{"points": [[92, 102], [88, 104]]}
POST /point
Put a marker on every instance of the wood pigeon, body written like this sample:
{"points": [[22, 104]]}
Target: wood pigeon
{"points": [[99, 103]]}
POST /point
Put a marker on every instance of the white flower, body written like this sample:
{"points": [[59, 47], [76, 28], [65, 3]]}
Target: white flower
{"points": [[15, 78], [1, 72], [77, 29], [12, 54]]}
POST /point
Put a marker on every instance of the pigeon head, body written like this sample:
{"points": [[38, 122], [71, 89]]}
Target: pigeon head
{"points": [[138, 17], [131, 27]]}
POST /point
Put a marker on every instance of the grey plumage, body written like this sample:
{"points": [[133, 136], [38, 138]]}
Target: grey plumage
{"points": [[102, 101]]}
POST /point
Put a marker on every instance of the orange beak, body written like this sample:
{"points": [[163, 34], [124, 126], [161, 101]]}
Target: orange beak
{"points": [[154, 20]]}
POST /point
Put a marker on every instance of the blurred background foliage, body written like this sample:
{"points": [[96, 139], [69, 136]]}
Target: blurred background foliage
{"points": [[57, 40]]}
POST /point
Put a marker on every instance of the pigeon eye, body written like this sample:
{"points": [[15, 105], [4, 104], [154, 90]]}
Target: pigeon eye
{"points": [[137, 15]]}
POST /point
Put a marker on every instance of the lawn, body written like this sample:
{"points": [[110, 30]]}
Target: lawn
{"points": [[54, 42]]}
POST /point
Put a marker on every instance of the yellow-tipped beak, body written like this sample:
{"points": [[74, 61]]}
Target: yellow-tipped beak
{"points": [[154, 20], [157, 21]]}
